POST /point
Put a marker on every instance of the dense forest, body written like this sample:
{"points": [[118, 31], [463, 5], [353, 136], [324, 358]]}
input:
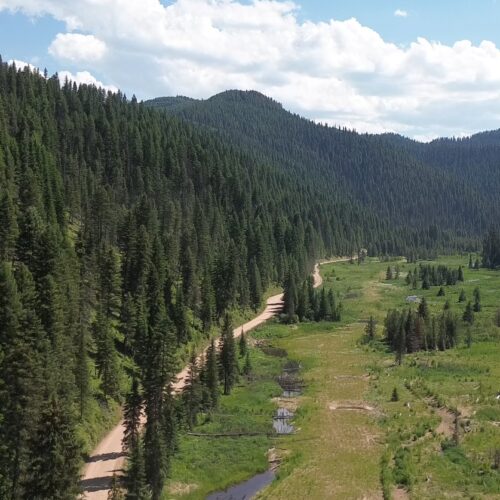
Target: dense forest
{"points": [[127, 235], [427, 207]]}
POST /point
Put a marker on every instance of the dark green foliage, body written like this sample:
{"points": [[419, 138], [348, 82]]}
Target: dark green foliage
{"points": [[468, 315], [441, 292], [477, 300], [242, 345], [192, 392], [462, 297], [227, 356], [496, 318], [491, 248], [54, 459], [370, 329], [395, 395], [132, 410], [211, 377], [407, 332], [247, 367], [394, 185]]}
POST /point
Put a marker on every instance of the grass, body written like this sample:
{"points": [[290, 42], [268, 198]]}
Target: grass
{"points": [[407, 444], [204, 464]]}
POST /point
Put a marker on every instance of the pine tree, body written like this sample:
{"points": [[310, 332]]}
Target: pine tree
{"points": [[423, 309], [460, 274], [211, 375], [242, 344], [441, 292], [191, 393], [400, 343], [471, 265], [477, 300], [462, 297], [54, 460], [394, 395], [468, 315], [247, 367], [135, 477], [227, 355], [132, 411], [370, 329]]}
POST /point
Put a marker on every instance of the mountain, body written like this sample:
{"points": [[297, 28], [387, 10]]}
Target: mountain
{"points": [[126, 235], [404, 182], [475, 160]]}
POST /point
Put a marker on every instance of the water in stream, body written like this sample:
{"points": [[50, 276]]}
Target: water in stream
{"points": [[246, 490]]}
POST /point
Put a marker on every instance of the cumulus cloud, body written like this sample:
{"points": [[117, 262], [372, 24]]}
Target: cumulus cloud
{"points": [[338, 72], [76, 47], [84, 77], [400, 13], [21, 64]]}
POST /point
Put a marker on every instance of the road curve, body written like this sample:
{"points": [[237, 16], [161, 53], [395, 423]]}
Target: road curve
{"points": [[108, 459]]}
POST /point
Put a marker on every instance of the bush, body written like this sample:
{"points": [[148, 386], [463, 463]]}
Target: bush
{"points": [[395, 395]]}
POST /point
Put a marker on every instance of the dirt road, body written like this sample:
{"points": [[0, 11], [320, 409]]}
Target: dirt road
{"points": [[108, 458]]}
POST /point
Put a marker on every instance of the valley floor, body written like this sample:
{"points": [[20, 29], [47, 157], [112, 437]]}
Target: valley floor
{"points": [[351, 440]]}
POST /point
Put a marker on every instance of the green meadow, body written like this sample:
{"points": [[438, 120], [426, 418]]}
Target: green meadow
{"points": [[440, 438]]}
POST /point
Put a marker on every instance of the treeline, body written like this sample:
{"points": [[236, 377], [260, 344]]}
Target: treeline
{"points": [[434, 276], [409, 331], [305, 303]]}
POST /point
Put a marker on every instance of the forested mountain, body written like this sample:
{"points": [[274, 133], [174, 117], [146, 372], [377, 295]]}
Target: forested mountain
{"points": [[375, 172], [475, 160], [125, 235]]}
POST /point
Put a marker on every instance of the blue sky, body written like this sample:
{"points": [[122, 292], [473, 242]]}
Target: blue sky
{"points": [[383, 72]]}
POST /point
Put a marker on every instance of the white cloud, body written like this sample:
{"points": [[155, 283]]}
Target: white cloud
{"points": [[20, 64], [400, 13], [77, 48], [84, 77], [337, 71]]}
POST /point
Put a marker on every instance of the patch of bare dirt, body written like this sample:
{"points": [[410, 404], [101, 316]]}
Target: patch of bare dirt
{"points": [[353, 377], [400, 494], [291, 404], [351, 405], [178, 488], [447, 424]]}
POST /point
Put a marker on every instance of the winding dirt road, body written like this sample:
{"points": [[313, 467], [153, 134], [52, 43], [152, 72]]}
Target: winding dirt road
{"points": [[108, 459]]}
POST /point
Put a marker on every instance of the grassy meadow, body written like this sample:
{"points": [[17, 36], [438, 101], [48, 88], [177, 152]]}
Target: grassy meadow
{"points": [[438, 440]]}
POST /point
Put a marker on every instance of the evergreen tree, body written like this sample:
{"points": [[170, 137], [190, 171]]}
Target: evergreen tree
{"points": [[227, 354], [477, 300], [132, 411], [462, 297], [211, 377], [468, 315], [242, 344], [191, 393], [441, 292], [247, 367], [54, 460], [370, 329], [135, 477]]}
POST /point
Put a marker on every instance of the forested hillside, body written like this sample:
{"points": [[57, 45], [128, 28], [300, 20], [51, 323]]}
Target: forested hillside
{"points": [[125, 236], [475, 159], [375, 172]]}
